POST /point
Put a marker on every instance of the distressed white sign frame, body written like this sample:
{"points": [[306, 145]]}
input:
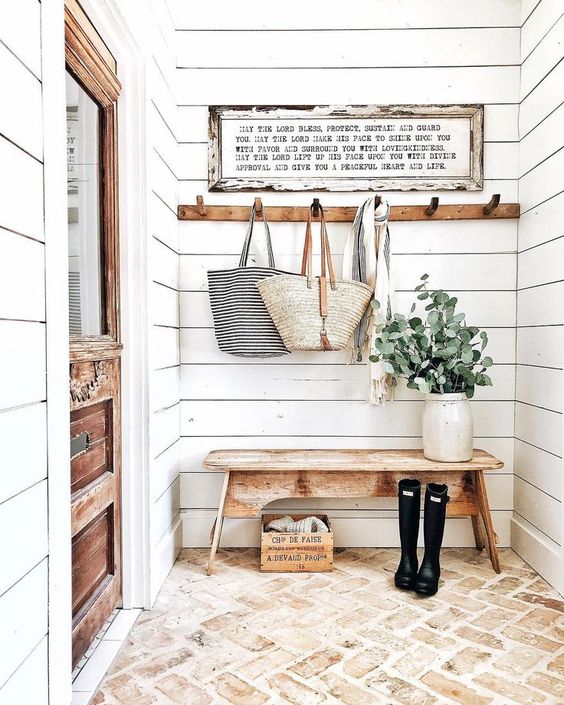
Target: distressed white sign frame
{"points": [[389, 117]]}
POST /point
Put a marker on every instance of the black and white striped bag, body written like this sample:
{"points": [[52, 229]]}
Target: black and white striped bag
{"points": [[243, 326]]}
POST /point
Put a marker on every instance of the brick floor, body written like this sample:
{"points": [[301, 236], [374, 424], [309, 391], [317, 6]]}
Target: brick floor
{"points": [[241, 637]]}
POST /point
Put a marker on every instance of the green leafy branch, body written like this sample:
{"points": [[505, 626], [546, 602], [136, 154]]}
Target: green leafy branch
{"points": [[441, 354]]}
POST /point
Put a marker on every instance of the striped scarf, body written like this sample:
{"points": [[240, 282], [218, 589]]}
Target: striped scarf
{"points": [[366, 258]]}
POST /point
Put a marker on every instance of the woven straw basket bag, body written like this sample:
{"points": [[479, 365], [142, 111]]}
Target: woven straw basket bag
{"points": [[312, 313]]}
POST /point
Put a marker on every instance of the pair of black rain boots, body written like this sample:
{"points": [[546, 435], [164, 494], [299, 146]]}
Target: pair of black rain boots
{"points": [[424, 581]]}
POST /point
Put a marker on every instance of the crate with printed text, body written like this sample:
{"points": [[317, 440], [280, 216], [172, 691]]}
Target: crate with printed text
{"points": [[298, 552]]}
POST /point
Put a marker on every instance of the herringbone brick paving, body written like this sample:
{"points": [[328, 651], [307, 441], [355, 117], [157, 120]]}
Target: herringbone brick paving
{"points": [[246, 638]]}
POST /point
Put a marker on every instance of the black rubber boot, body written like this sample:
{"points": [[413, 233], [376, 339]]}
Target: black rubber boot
{"points": [[409, 500], [436, 499]]}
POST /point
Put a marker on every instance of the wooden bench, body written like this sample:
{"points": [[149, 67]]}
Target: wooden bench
{"points": [[254, 478]]}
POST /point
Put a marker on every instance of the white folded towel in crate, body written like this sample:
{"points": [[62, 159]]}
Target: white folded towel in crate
{"points": [[287, 525]]}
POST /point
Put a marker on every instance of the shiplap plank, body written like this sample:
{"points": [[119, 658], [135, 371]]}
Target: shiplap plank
{"points": [[373, 49], [500, 123], [541, 306], [21, 186], [483, 308], [540, 468], [163, 556], [541, 142], [22, 266], [164, 305], [22, 363], [29, 684], [163, 181], [162, 222], [542, 223], [164, 264], [327, 418], [542, 264], [21, 120], [164, 511], [408, 14], [201, 490], [367, 530], [165, 347], [539, 427], [499, 84], [541, 345], [24, 519], [163, 140], [165, 429], [198, 347], [194, 449], [432, 237], [164, 470], [472, 272], [543, 182], [538, 508], [295, 382], [545, 16], [540, 386], [165, 387], [543, 58], [27, 461], [23, 616], [160, 89], [545, 98], [20, 25]]}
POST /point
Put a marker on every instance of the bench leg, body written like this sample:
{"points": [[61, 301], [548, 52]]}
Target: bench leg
{"points": [[218, 525], [483, 503], [478, 536]]}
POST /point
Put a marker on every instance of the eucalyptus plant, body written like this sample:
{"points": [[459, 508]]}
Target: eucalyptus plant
{"points": [[441, 354]]}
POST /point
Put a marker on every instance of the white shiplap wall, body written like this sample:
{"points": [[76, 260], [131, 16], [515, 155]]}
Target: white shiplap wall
{"points": [[23, 464], [163, 267], [391, 52], [536, 531]]}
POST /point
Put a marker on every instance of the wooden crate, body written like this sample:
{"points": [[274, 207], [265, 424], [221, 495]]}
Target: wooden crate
{"points": [[296, 552]]}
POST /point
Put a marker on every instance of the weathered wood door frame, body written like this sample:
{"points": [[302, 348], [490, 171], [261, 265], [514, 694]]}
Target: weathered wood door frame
{"points": [[114, 23], [95, 364]]}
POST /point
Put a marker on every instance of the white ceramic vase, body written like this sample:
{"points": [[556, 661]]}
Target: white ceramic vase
{"points": [[448, 429]]}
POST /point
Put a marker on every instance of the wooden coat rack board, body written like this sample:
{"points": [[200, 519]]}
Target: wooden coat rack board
{"points": [[494, 210]]}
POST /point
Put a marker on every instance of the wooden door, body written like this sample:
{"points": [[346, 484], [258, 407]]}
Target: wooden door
{"points": [[95, 348]]}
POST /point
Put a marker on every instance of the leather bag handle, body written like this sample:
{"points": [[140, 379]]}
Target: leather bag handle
{"points": [[326, 264]]}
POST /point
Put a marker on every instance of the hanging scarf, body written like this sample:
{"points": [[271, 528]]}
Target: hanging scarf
{"points": [[366, 258]]}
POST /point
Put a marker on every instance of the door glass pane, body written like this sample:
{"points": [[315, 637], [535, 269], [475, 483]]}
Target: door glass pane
{"points": [[83, 187]]}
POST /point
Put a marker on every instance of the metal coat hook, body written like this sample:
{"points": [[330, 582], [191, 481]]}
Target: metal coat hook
{"points": [[258, 206], [493, 204], [200, 205], [432, 207], [315, 207]]}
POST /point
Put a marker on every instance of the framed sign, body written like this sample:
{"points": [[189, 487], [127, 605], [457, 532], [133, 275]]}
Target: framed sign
{"points": [[346, 148]]}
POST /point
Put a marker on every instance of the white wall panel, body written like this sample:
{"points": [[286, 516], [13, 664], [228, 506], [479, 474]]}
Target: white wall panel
{"points": [[542, 264], [539, 468], [541, 305], [24, 519], [27, 462], [21, 209], [542, 223], [540, 386], [543, 100], [387, 14], [312, 87], [22, 363], [22, 293], [539, 427], [20, 120], [538, 508], [21, 31], [21, 635], [316, 49], [541, 345], [539, 23], [30, 682], [543, 58]]}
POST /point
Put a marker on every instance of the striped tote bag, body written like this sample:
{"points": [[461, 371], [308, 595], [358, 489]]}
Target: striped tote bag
{"points": [[243, 326]]}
